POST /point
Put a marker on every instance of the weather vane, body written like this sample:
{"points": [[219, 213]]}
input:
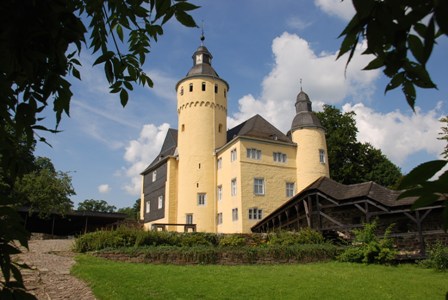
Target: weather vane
{"points": [[202, 34], [301, 84]]}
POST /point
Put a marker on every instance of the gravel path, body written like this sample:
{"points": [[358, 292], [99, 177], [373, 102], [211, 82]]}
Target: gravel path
{"points": [[49, 277]]}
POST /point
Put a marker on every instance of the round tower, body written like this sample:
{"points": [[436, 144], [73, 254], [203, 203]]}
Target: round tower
{"points": [[202, 128], [309, 135]]}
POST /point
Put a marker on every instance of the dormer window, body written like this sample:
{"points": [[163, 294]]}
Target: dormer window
{"points": [[199, 59]]}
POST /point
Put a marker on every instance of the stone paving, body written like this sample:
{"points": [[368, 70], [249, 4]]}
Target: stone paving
{"points": [[49, 277]]}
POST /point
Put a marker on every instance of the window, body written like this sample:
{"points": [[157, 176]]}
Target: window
{"points": [[234, 214], [233, 155], [219, 218], [290, 188], [253, 153], [322, 156], [225, 92], [258, 186], [219, 127], [219, 163], [191, 87], [201, 198], [189, 218], [233, 187], [183, 127], [219, 192], [255, 214], [203, 86], [279, 157], [160, 202], [181, 90], [216, 89], [148, 207], [154, 176]]}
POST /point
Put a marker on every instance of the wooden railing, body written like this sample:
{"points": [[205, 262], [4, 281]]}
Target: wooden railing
{"points": [[162, 226]]}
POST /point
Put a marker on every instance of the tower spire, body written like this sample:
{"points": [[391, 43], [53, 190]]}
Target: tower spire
{"points": [[301, 85]]}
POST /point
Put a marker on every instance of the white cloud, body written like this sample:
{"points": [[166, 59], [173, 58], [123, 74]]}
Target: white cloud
{"points": [[323, 80], [398, 134], [140, 152], [104, 188], [338, 8], [297, 23], [163, 85]]}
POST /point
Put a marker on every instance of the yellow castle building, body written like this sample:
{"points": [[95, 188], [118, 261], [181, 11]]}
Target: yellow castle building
{"points": [[213, 179]]}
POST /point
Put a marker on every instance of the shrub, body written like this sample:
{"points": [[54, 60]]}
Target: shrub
{"points": [[232, 240], [368, 248], [304, 236], [191, 239], [437, 257]]}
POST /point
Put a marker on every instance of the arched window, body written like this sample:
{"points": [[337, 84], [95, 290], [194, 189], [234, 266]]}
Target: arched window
{"points": [[191, 87], [216, 89], [219, 127], [181, 90], [203, 86]]}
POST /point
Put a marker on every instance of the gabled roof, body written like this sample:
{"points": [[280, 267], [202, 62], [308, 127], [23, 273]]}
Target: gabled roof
{"points": [[168, 149], [257, 127], [371, 190]]}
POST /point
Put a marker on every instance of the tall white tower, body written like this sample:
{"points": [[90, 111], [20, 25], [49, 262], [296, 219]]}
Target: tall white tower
{"points": [[202, 121]]}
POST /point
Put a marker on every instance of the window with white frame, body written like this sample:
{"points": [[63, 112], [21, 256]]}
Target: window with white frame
{"points": [[253, 153], [255, 214], [259, 186], [233, 187], [219, 163], [322, 156], [148, 207], [189, 218], [219, 192], [201, 198], [160, 202], [219, 218], [234, 214], [233, 154], [279, 157], [290, 189], [154, 176]]}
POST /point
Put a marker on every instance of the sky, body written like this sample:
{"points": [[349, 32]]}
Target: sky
{"points": [[262, 48]]}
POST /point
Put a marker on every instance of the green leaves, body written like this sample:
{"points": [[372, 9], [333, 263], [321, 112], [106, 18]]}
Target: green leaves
{"points": [[400, 35], [419, 184]]}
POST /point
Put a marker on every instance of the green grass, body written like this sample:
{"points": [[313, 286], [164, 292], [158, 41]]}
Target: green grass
{"points": [[334, 280]]}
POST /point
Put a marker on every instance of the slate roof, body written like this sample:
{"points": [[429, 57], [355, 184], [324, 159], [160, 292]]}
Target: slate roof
{"points": [[168, 149], [371, 190], [257, 127]]}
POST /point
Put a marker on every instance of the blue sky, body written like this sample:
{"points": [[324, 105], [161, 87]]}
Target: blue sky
{"points": [[261, 48]]}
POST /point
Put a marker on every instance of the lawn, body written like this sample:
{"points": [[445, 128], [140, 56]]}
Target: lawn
{"points": [[334, 280]]}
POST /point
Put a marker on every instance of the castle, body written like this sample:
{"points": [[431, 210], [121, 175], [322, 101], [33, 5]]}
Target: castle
{"points": [[226, 180]]}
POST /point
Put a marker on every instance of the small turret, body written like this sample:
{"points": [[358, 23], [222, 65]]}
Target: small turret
{"points": [[309, 135]]}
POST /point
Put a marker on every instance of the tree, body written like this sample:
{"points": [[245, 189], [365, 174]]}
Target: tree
{"points": [[96, 205], [444, 136], [40, 42], [45, 190], [352, 161], [400, 35], [132, 212]]}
